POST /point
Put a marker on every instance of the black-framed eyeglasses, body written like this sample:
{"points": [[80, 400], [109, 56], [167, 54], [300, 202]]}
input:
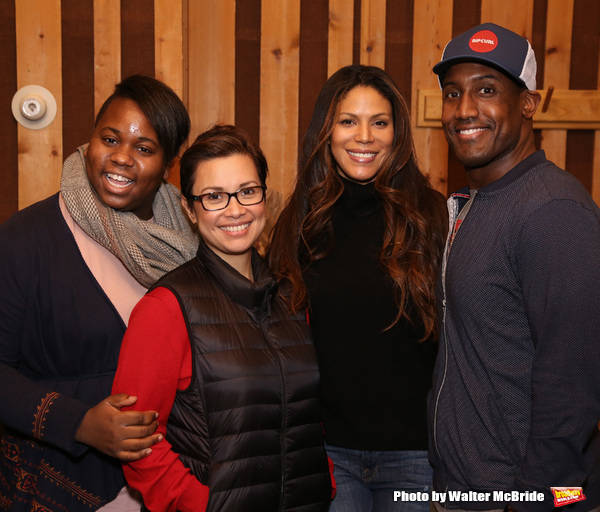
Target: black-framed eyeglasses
{"points": [[246, 196]]}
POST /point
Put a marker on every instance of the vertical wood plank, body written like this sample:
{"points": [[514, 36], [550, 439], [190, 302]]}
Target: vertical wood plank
{"points": [[556, 70], [247, 66], [428, 44], [9, 170], [399, 45], [38, 38], [341, 35], [77, 72], [516, 16], [314, 27], [372, 33], [279, 90], [596, 163], [585, 53], [211, 53], [168, 50], [137, 37], [107, 49]]}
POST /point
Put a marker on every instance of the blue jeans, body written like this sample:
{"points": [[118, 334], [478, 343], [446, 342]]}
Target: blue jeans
{"points": [[366, 480]]}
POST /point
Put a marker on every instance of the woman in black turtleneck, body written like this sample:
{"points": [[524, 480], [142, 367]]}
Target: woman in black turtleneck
{"points": [[359, 244]]}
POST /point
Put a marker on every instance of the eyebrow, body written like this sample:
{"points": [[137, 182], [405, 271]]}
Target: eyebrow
{"points": [[118, 132], [251, 183], [352, 114]]}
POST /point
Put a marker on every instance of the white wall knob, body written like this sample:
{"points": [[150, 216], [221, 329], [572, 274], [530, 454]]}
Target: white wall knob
{"points": [[33, 106]]}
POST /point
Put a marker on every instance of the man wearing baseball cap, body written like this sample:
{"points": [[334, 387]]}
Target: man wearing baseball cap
{"points": [[516, 396]]}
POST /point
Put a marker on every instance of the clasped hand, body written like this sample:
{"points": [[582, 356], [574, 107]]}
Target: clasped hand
{"points": [[125, 435]]}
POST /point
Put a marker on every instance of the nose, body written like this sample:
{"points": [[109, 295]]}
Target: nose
{"points": [[466, 107], [122, 156], [234, 208], [364, 134]]}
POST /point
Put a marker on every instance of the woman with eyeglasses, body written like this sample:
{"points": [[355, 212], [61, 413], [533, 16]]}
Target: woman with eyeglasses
{"points": [[213, 348]]}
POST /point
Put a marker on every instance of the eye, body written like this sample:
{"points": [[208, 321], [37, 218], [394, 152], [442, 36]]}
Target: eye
{"points": [[109, 140], [213, 197], [143, 149], [451, 94], [248, 192], [346, 121], [381, 123], [486, 90]]}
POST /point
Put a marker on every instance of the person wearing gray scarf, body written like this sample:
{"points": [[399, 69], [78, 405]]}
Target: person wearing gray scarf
{"points": [[71, 269]]}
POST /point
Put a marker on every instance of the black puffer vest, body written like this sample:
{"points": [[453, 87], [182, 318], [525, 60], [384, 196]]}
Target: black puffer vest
{"points": [[248, 426]]}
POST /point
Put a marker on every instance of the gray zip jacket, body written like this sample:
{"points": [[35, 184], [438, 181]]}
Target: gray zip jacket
{"points": [[516, 388]]}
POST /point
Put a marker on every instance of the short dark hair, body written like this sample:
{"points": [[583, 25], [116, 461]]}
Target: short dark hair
{"points": [[217, 142], [163, 108]]}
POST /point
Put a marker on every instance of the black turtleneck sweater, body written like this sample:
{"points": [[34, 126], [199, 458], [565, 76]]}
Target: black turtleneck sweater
{"points": [[374, 382]]}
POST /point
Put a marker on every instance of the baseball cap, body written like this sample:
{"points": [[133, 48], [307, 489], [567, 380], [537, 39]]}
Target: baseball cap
{"points": [[494, 46]]}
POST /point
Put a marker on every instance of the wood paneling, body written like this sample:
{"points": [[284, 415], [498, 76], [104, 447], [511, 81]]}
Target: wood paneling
{"points": [[137, 37], [314, 15], [279, 91], [341, 35], [261, 64], [556, 71], [211, 53], [77, 72], [247, 66], [168, 32], [429, 43], [38, 37], [372, 33], [9, 170], [107, 49]]}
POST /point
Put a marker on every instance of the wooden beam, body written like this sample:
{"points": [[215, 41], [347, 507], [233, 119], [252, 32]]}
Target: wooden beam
{"points": [[567, 110]]}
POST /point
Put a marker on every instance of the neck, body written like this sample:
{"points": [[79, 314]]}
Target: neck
{"points": [[242, 263], [479, 177]]}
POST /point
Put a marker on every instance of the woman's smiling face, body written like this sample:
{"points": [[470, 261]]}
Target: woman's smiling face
{"points": [[363, 134], [124, 160], [232, 231]]}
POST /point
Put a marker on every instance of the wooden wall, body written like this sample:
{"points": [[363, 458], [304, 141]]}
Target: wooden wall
{"points": [[260, 64]]}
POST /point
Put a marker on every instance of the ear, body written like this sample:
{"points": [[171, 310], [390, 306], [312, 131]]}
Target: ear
{"points": [[531, 100], [189, 211], [169, 167]]}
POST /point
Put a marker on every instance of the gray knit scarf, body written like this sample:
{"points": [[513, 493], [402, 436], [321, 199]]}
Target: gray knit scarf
{"points": [[147, 249]]}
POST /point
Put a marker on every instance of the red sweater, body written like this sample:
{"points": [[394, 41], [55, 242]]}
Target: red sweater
{"points": [[156, 361]]}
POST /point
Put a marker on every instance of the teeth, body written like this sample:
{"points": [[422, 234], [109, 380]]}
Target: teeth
{"points": [[116, 177], [361, 155], [471, 131], [241, 227]]}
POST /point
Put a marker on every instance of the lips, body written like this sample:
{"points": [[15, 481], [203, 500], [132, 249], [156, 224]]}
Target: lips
{"points": [[361, 156], [235, 229], [471, 131], [117, 180]]}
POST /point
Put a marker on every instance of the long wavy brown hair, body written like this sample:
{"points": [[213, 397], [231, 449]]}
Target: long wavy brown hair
{"points": [[414, 213]]}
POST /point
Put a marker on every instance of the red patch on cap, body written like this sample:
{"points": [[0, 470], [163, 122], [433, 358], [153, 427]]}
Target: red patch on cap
{"points": [[483, 41]]}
